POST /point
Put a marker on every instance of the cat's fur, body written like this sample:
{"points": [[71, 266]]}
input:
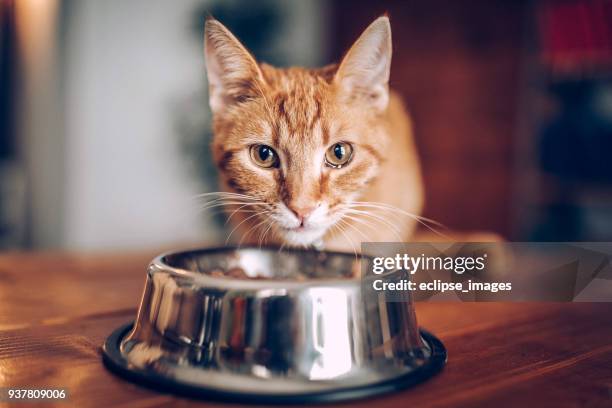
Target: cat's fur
{"points": [[300, 113]]}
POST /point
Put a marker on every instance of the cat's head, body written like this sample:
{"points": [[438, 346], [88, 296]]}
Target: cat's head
{"points": [[305, 141]]}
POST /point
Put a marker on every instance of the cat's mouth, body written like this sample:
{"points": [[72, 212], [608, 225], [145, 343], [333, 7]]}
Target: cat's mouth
{"points": [[300, 231], [300, 228], [302, 234]]}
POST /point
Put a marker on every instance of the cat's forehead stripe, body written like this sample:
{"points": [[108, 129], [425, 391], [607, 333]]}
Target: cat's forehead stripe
{"points": [[298, 114]]}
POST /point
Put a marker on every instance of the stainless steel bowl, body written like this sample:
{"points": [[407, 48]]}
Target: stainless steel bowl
{"points": [[262, 325]]}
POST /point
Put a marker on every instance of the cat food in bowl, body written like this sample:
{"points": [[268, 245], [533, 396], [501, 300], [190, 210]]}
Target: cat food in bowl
{"points": [[270, 326]]}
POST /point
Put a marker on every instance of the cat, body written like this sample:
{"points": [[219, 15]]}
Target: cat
{"points": [[312, 157]]}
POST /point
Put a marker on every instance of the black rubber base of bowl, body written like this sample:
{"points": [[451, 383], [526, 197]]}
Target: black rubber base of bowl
{"points": [[116, 363]]}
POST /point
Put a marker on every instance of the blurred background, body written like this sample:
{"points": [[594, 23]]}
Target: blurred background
{"points": [[104, 123]]}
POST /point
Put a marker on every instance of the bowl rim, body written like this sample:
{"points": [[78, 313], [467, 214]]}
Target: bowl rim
{"points": [[158, 264]]}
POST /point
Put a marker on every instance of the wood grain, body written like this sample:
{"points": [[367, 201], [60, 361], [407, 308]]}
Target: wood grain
{"points": [[56, 310]]}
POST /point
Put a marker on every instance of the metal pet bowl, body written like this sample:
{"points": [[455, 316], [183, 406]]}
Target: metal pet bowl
{"points": [[269, 326]]}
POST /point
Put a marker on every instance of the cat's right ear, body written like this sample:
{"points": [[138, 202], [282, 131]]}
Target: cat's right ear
{"points": [[233, 73]]}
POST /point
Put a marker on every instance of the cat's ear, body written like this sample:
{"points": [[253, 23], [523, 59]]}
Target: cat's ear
{"points": [[364, 71], [233, 73]]}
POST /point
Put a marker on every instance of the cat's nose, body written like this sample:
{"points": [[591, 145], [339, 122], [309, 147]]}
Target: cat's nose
{"points": [[302, 212]]}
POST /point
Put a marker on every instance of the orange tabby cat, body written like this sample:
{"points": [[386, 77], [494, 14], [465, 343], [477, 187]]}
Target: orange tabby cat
{"points": [[321, 157]]}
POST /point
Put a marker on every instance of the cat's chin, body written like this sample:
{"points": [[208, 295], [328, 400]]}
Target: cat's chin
{"points": [[302, 237]]}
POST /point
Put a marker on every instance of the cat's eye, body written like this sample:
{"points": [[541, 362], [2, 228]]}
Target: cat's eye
{"points": [[338, 155], [264, 156]]}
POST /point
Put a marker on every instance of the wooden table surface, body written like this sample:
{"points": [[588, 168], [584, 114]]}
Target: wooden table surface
{"points": [[56, 310]]}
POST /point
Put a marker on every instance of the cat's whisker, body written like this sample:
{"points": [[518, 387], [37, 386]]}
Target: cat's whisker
{"points": [[341, 227], [365, 223], [220, 198], [396, 213], [238, 226], [393, 217], [225, 194], [376, 217], [220, 211], [342, 231], [421, 220], [358, 230], [268, 232], [229, 202], [262, 237], [393, 230], [248, 232], [238, 210], [283, 243], [385, 206], [236, 203], [279, 238], [241, 207], [381, 220]]}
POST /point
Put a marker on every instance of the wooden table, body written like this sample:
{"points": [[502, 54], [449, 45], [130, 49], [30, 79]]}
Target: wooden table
{"points": [[56, 310]]}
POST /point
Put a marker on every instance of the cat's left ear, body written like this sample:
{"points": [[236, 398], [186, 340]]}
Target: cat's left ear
{"points": [[364, 71], [233, 73]]}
